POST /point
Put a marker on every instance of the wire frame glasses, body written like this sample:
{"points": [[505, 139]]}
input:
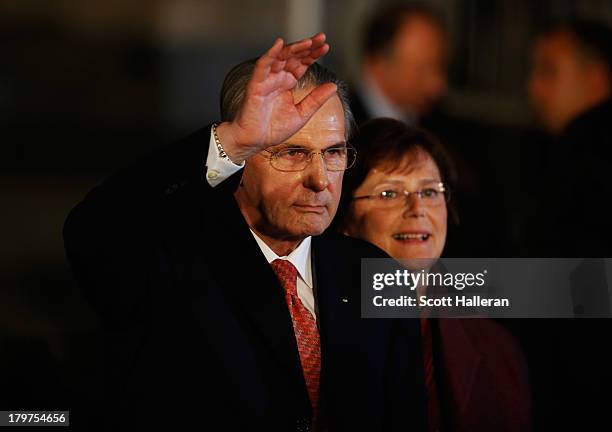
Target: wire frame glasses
{"points": [[335, 158], [391, 196]]}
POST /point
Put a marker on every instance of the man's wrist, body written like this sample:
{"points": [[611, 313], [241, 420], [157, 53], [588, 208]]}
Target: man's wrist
{"points": [[220, 149], [225, 140], [218, 168]]}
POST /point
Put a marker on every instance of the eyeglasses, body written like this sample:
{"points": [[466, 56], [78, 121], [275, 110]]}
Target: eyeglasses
{"points": [[289, 159], [391, 196]]}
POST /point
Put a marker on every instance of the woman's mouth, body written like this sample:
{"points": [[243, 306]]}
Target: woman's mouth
{"points": [[412, 236]]}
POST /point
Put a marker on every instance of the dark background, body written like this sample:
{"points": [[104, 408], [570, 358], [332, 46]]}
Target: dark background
{"points": [[86, 86]]}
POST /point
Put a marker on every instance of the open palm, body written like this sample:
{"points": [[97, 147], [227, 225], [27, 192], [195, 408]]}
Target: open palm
{"points": [[269, 115]]}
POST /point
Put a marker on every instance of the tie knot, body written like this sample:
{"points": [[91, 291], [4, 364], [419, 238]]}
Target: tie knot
{"points": [[286, 274]]}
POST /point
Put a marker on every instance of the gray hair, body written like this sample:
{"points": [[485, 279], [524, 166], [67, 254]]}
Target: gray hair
{"points": [[235, 83]]}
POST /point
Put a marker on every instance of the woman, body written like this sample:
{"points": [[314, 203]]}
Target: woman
{"points": [[397, 197]]}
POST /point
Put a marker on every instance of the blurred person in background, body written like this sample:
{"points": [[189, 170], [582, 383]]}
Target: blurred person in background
{"points": [[404, 76], [570, 88], [565, 184], [397, 197], [403, 72], [571, 74]]}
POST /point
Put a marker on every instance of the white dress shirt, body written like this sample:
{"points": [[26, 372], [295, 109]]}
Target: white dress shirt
{"points": [[219, 169], [300, 258], [378, 105]]}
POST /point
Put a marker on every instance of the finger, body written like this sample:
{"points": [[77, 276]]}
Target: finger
{"points": [[293, 66], [316, 54], [319, 36], [297, 67], [300, 45], [263, 64], [278, 66], [295, 47], [317, 39], [272, 54], [302, 54], [315, 99], [310, 56], [314, 42]]}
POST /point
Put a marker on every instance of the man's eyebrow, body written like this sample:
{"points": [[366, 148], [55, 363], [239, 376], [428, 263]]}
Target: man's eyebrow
{"points": [[283, 146], [339, 144]]}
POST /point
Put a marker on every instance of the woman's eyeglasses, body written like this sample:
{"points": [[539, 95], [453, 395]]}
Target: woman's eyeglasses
{"points": [[390, 196]]}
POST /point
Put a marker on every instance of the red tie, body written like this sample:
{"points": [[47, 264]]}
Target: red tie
{"points": [[433, 407], [305, 328]]}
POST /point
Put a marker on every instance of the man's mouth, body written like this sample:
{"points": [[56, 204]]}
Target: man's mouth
{"points": [[412, 236], [310, 208]]}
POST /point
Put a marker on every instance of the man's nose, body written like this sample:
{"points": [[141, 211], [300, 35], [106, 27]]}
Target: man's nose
{"points": [[316, 174]]}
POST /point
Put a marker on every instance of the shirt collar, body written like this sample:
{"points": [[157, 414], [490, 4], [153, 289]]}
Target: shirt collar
{"points": [[379, 105], [299, 257]]}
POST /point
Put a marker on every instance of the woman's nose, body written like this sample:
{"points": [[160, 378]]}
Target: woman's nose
{"points": [[413, 206]]}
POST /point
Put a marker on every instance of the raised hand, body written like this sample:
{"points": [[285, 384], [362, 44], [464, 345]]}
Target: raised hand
{"points": [[269, 115]]}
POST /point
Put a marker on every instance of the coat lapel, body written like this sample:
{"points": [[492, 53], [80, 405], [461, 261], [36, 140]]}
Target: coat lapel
{"points": [[333, 318], [236, 264], [332, 299]]}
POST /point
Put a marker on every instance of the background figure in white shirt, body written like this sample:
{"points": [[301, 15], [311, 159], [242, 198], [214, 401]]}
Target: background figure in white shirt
{"points": [[403, 74]]}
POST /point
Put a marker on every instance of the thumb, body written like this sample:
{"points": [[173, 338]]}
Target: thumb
{"points": [[315, 99]]}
